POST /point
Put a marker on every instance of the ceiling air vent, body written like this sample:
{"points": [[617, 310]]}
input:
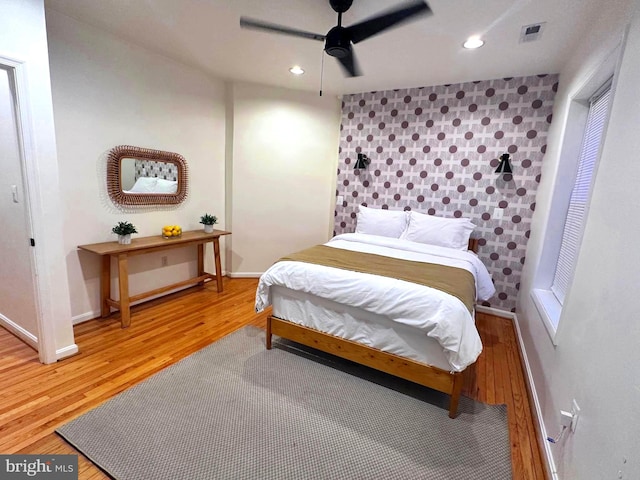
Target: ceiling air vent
{"points": [[531, 33]]}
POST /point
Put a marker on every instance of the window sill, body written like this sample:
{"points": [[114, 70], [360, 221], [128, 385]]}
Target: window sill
{"points": [[549, 309]]}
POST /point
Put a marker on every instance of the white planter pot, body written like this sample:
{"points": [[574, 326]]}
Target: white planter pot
{"points": [[208, 229], [124, 239]]}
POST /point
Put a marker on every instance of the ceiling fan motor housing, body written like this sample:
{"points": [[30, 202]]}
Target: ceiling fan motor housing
{"points": [[341, 6], [337, 43]]}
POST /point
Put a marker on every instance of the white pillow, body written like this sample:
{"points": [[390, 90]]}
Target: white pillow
{"points": [[386, 223], [144, 185], [444, 232], [166, 186]]}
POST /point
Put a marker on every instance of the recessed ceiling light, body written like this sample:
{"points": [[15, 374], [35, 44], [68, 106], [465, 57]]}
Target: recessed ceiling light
{"points": [[473, 42], [296, 70]]}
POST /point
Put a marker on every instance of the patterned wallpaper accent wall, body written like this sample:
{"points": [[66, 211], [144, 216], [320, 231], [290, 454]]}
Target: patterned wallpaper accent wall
{"points": [[435, 150]]}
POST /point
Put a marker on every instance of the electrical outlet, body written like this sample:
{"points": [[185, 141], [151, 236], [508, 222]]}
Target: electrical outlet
{"points": [[164, 261], [566, 418], [498, 213], [575, 413], [339, 200]]}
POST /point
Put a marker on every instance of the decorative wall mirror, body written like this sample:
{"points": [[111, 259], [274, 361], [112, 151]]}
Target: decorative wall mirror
{"points": [[142, 176]]}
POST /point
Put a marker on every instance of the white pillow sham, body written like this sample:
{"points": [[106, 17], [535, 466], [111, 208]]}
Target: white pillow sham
{"points": [[166, 186], [444, 232], [376, 221], [144, 185]]}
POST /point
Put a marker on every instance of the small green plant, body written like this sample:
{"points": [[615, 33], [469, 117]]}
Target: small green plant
{"points": [[124, 228], [207, 219]]}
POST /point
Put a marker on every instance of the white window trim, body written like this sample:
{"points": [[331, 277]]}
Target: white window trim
{"points": [[549, 309], [545, 301]]}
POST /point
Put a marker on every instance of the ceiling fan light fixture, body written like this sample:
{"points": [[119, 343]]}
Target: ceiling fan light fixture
{"points": [[296, 70], [473, 42]]}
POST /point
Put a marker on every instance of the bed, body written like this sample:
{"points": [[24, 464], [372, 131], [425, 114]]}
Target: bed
{"points": [[413, 319]]}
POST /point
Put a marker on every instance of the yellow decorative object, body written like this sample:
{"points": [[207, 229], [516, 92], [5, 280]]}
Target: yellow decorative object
{"points": [[172, 231]]}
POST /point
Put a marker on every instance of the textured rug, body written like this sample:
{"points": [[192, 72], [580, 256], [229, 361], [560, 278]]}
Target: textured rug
{"points": [[237, 411]]}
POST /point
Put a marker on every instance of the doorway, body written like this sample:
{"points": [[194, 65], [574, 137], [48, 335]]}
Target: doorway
{"points": [[18, 298]]}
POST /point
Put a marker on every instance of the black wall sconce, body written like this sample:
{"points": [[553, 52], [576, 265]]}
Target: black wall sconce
{"points": [[362, 162], [504, 166]]}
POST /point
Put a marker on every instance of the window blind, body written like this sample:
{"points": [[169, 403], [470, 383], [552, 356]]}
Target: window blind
{"points": [[574, 224]]}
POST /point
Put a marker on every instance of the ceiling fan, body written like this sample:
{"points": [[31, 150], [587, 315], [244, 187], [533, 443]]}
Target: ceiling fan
{"points": [[339, 40]]}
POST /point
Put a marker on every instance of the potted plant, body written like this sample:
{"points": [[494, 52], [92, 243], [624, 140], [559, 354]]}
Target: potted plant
{"points": [[208, 221], [124, 231]]}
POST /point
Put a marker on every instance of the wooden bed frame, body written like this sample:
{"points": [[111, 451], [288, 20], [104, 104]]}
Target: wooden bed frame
{"points": [[420, 373]]}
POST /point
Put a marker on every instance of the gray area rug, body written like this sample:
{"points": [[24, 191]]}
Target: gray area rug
{"points": [[237, 411]]}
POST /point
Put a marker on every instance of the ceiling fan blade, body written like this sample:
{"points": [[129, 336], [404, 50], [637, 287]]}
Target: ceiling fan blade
{"points": [[349, 64], [272, 27], [390, 18]]}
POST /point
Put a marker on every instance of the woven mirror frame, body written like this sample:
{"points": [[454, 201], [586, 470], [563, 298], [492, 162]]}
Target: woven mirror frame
{"points": [[114, 174]]}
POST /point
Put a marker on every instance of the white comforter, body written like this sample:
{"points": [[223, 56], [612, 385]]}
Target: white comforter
{"points": [[439, 315]]}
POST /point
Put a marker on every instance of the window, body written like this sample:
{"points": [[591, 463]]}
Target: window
{"points": [[574, 225], [586, 124]]}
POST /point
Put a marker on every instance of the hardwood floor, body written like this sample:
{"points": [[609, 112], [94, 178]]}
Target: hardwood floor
{"points": [[35, 399]]}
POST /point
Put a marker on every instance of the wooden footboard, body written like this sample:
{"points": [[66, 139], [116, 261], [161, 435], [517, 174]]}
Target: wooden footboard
{"points": [[422, 374]]}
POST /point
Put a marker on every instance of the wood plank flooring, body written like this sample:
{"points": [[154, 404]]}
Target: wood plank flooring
{"points": [[35, 399]]}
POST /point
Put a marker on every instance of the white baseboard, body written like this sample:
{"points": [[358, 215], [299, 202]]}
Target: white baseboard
{"points": [[67, 351], [31, 340], [244, 274], [24, 335], [84, 317], [495, 311], [533, 396]]}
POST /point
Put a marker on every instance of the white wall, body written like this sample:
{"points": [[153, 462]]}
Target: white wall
{"points": [[23, 38], [284, 157], [105, 93], [597, 355], [280, 146]]}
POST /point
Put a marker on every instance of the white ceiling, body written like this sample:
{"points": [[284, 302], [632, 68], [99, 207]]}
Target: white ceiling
{"points": [[428, 51]]}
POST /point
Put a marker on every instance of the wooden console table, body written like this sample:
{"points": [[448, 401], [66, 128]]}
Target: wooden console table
{"points": [[141, 246]]}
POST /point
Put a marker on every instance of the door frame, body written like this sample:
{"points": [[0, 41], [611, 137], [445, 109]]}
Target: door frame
{"points": [[29, 167]]}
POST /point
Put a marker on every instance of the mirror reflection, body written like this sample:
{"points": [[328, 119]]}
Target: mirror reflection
{"points": [[148, 176]]}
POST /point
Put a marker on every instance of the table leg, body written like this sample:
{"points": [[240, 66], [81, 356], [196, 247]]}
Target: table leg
{"points": [[105, 286], [123, 281], [216, 255], [200, 261]]}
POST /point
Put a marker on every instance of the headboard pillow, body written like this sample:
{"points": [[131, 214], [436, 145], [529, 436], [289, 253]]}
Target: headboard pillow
{"points": [[144, 185], [444, 232], [166, 186], [376, 221]]}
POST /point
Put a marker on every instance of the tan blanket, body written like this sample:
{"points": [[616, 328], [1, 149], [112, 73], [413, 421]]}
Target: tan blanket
{"points": [[455, 281]]}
